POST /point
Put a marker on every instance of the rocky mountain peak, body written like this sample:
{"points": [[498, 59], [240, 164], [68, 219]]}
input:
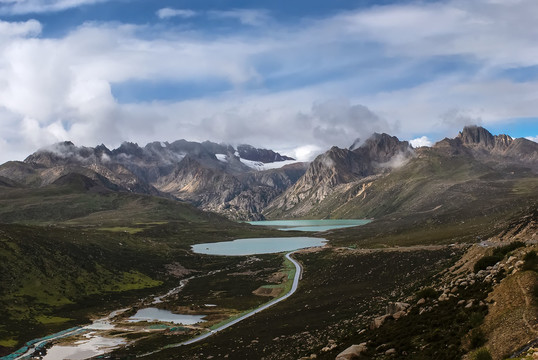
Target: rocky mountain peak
{"points": [[59, 154], [382, 147], [476, 135], [129, 148], [102, 149], [249, 152]]}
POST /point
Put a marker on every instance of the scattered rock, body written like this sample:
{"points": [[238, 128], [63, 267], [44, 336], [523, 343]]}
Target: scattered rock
{"points": [[329, 347], [421, 301], [390, 351], [443, 297], [395, 307]]}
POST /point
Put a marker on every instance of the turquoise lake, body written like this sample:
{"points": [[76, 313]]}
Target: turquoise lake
{"points": [[276, 245], [257, 246], [310, 225]]}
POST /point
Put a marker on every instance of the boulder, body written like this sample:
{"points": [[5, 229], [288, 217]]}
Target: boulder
{"points": [[398, 314], [378, 321], [352, 352], [395, 307]]}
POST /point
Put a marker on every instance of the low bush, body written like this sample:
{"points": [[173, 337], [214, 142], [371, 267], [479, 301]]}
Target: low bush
{"points": [[476, 319], [531, 261], [486, 261], [477, 338], [498, 254], [427, 292], [482, 354], [503, 250]]}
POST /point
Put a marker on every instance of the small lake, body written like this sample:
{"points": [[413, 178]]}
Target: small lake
{"points": [[84, 349], [310, 225], [257, 246], [154, 314]]}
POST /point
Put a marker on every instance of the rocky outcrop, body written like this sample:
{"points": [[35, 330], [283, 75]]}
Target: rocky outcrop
{"points": [[481, 144], [352, 352]]}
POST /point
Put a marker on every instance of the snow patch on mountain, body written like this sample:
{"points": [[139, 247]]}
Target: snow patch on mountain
{"points": [[222, 157], [257, 165]]}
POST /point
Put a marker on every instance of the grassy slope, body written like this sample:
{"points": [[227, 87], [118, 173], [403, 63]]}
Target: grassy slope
{"points": [[335, 296], [455, 187]]}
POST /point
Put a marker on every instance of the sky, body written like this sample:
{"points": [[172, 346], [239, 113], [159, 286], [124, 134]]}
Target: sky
{"points": [[295, 76]]}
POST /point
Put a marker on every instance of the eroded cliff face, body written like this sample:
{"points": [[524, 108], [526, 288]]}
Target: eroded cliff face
{"points": [[502, 149]]}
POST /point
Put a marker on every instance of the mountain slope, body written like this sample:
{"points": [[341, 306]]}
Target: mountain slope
{"points": [[473, 174], [335, 169]]}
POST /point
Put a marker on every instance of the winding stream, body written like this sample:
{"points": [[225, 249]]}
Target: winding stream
{"points": [[298, 272]]}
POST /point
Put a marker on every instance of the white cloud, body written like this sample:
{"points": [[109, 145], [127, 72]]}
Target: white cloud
{"points": [[166, 13], [20, 29], [421, 141], [252, 17], [61, 88], [304, 153], [532, 138], [18, 7]]}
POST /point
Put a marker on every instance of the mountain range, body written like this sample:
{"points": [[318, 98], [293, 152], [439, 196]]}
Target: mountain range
{"points": [[379, 176]]}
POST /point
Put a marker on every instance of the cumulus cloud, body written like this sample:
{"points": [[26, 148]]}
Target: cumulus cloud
{"points": [[532, 138], [17, 7], [277, 79], [20, 29], [421, 141], [166, 13]]}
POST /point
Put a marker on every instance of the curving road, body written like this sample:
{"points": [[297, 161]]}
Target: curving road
{"points": [[298, 273]]}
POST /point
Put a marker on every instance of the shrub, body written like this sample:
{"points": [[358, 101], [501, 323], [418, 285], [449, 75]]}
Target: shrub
{"points": [[530, 256], [503, 250], [482, 354], [427, 292], [476, 319], [477, 338], [486, 261], [531, 261]]}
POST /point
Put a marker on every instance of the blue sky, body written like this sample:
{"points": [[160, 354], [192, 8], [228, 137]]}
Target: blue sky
{"points": [[296, 76]]}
